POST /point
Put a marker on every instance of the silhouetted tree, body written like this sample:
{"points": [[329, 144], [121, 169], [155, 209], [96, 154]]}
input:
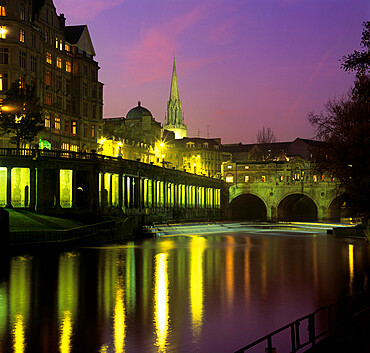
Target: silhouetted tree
{"points": [[345, 127], [266, 136], [20, 114]]}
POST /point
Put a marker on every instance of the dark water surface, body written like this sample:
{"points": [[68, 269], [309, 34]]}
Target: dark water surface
{"points": [[182, 293]]}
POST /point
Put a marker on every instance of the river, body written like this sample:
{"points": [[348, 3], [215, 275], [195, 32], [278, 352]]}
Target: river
{"points": [[182, 292]]}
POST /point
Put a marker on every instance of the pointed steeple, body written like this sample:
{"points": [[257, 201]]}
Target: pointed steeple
{"points": [[174, 94], [174, 120]]}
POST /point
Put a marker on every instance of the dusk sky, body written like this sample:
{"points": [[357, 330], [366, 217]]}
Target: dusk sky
{"points": [[241, 64]]}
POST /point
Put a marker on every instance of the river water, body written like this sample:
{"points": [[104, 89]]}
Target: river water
{"points": [[210, 292]]}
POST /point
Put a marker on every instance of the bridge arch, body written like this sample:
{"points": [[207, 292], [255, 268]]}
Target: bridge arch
{"points": [[297, 207], [248, 207], [337, 209]]}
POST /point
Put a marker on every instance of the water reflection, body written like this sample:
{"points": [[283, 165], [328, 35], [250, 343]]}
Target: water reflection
{"points": [[161, 319], [20, 297], [68, 280], [211, 293], [196, 285]]}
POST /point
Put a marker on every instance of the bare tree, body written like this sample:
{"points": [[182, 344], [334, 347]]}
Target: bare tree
{"points": [[266, 136]]}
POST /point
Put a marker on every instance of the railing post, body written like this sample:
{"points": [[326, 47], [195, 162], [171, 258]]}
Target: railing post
{"points": [[296, 324], [292, 338], [311, 329], [269, 345]]}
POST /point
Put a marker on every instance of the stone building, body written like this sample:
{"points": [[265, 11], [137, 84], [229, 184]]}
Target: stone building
{"points": [[136, 137], [36, 47]]}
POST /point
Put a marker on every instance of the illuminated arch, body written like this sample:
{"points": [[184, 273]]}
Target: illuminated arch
{"points": [[337, 209]]}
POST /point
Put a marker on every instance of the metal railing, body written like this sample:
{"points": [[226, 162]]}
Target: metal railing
{"points": [[332, 317]]}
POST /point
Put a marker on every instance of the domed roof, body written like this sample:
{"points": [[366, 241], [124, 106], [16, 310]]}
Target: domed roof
{"points": [[138, 112]]}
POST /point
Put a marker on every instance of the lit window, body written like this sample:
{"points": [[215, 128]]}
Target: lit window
{"points": [[48, 78], [229, 178], [246, 167], [47, 120], [4, 56], [65, 146], [48, 58], [263, 178], [2, 9], [56, 42], [66, 47], [22, 13], [22, 82], [246, 178], [229, 167], [74, 148], [322, 177], [48, 99], [92, 131], [68, 66], [281, 178], [21, 35], [74, 127], [3, 32], [57, 123], [59, 62], [3, 82], [315, 178], [60, 45]]}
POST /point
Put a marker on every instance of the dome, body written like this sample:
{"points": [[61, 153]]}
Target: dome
{"points": [[138, 112]]}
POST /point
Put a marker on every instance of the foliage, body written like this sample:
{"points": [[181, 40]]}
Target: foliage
{"points": [[359, 61], [20, 114], [266, 136], [345, 127]]}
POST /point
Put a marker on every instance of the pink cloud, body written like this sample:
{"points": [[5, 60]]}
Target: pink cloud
{"points": [[82, 11]]}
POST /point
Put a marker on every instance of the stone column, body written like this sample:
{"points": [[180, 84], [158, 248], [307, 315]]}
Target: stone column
{"points": [[57, 189], [9, 188], [120, 191], [74, 188], [33, 188]]}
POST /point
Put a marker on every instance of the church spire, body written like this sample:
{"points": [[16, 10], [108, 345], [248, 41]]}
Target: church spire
{"points": [[174, 94], [175, 118]]}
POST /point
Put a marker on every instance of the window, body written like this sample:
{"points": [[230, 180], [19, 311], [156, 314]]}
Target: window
{"points": [[263, 178], [84, 89], [84, 69], [68, 66], [246, 178], [3, 81], [66, 47], [59, 102], [68, 106], [2, 9], [48, 78], [93, 74], [60, 44], [3, 32], [22, 59], [67, 125], [281, 177], [22, 14], [205, 144], [92, 131], [33, 41], [85, 130], [59, 62], [49, 58], [57, 123], [315, 178], [21, 35], [68, 86], [84, 107], [93, 91], [22, 82], [46, 36], [65, 146], [4, 56], [74, 148], [229, 178], [58, 82], [48, 100], [56, 42], [74, 127], [33, 63], [94, 111], [47, 120]]}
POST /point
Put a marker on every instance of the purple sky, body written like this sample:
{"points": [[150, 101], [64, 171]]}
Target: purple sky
{"points": [[241, 64]]}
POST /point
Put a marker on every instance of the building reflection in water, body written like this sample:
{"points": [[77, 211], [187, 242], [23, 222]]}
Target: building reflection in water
{"points": [[161, 316], [119, 316], [68, 280], [197, 247], [19, 294], [229, 261], [351, 267]]}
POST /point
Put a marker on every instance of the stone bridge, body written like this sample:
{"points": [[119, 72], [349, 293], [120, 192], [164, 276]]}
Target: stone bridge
{"points": [[287, 191], [57, 182]]}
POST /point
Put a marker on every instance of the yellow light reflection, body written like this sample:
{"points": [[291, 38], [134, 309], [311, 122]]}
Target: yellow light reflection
{"points": [[66, 332], [230, 268], [351, 265], [18, 333], [119, 321], [196, 285], [161, 301]]}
